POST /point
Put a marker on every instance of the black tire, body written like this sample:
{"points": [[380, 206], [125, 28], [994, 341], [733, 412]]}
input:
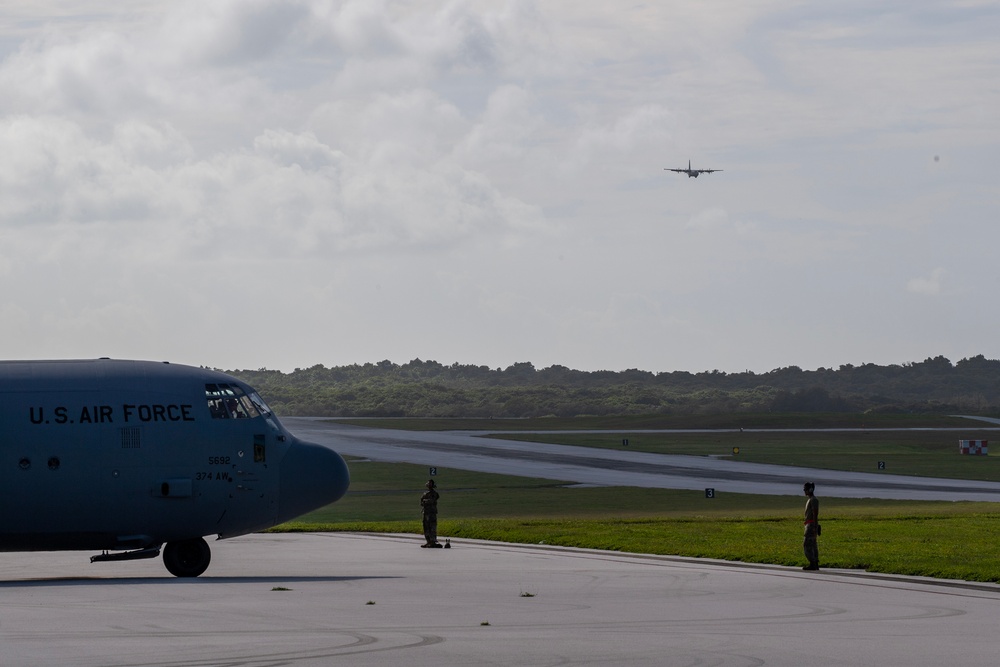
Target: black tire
{"points": [[187, 558]]}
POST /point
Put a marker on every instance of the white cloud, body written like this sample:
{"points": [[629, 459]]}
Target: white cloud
{"points": [[504, 131], [288, 194], [54, 172], [929, 286], [713, 218], [353, 159], [648, 123]]}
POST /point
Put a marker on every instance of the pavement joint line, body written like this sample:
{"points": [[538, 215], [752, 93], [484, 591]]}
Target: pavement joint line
{"points": [[763, 568]]}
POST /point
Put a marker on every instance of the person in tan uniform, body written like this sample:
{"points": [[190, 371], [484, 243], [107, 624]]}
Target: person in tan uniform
{"points": [[811, 527]]}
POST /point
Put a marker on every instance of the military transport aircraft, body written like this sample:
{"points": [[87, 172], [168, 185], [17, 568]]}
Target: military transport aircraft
{"points": [[127, 456], [692, 173]]}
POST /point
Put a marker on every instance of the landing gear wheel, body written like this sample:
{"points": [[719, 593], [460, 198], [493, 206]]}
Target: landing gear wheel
{"points": [[187, 558]]}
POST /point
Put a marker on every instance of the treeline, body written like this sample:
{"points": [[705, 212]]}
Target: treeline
{"points": [[430, 389]]}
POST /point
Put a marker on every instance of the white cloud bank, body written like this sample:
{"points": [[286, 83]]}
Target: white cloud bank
{"points": [[329, 182]]}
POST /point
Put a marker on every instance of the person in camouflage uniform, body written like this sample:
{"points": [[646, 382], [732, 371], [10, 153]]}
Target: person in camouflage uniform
{"points": [[429, 508], [811, 527]]}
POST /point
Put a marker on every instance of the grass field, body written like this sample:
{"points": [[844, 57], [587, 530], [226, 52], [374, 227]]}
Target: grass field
{"points": [[941, 539]]}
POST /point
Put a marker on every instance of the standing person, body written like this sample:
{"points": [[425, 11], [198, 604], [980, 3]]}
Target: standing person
{"points": [[429, 508], [811, 530]]}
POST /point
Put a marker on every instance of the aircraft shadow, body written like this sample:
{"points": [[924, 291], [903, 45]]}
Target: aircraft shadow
{"points": [[168, 580]]}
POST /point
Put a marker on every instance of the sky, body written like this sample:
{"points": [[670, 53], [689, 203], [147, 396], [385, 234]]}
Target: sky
{"points": [[247, 184]]}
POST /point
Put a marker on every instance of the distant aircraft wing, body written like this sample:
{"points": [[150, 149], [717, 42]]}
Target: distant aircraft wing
{"points": [[683, 171], [706, 171]]}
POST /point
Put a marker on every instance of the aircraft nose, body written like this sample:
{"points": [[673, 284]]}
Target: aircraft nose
{"points": [[310, 477]]}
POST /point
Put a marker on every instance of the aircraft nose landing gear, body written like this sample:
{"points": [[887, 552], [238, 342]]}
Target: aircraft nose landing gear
{"points": [[187, 558]]}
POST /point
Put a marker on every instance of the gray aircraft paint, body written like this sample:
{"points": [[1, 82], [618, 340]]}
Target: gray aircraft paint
{"points": [[129, 455]]}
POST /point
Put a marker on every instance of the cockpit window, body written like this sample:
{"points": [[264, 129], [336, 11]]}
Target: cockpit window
{"points": [[228, 401], [258, 403]]}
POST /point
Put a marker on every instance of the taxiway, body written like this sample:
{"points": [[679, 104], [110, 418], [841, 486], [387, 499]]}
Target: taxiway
{"points": [[619, 467], [319, 599]]}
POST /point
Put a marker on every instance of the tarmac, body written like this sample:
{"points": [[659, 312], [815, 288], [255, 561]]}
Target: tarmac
{"points": [[340, 598]]}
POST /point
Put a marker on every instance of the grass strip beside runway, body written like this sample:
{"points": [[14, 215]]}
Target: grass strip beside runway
{"points": [[939, 539], [957, 546]]}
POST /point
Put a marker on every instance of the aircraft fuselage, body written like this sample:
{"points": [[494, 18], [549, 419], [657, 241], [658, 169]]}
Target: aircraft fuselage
{"points": [[117, 455], [691, 173]]}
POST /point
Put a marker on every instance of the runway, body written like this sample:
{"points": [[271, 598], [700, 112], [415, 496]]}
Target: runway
{"points": [[617, 467], [321, 599]]}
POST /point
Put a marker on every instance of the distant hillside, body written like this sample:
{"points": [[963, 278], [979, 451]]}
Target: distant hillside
{"points": [[430, 389]]}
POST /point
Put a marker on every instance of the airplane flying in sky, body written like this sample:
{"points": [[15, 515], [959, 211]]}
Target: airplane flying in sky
{"points": [[128, 456], [692, 173]]}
